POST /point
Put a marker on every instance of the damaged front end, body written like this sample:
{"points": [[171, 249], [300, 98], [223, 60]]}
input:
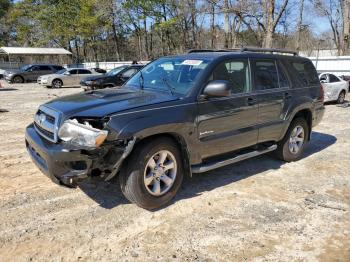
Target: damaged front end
{"points": [[84, 148]]}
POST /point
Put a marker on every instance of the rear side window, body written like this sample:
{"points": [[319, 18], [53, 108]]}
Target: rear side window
{"points": [[333, 78], [44, 68], [266, 76], [84, 72], [306, 73], [57, 68], [236, 72], [73, 72]]}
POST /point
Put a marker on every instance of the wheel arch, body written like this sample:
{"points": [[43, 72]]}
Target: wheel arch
{"points": [[307, 115], [178, 140]]}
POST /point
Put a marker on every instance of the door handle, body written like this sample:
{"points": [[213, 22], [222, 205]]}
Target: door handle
{"points": [[287, 95], [251, 101]]}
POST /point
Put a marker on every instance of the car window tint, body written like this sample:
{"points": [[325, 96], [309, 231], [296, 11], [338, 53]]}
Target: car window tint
{"points": [[34, 68], [266, 76], [333, 78], [306, 73], [283, 79], [84, 72], [44, 68], [130, 72], [236, 72], [57, 67], [73, 72]]}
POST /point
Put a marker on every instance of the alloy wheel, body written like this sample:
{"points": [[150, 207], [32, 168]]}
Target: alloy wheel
{"points": [[296, 140], [160, 173]]}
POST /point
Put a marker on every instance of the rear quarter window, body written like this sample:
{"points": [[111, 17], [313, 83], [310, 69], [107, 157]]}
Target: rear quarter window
{"points": [[304, 73]]}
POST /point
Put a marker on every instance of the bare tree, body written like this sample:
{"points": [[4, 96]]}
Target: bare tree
{"points": [[300, 24], [346, 26]]}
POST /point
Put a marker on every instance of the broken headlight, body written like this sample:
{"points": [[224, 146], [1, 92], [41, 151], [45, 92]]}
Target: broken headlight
{"points": [[82, 134]]}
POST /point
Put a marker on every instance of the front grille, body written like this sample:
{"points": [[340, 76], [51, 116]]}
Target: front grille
{"points": [[44, 132], [46, 122]]}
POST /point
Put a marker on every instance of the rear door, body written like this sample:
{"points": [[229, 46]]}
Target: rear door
{"points": [[272, 87], [229, 123], [82, 73]]}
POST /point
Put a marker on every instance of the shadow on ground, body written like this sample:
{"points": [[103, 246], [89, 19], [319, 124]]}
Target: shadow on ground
{"points": [[8, 89], [109, 195]]}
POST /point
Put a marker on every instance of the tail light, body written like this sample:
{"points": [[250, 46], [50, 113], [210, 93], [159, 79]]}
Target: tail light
{"points": [[321, 97]]}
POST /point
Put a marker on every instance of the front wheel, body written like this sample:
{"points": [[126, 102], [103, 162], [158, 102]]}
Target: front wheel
{"points": [[57, 83], [292, 146], [153, 174]]}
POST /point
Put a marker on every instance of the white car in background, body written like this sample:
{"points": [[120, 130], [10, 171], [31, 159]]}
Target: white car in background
{"points": [[335, 88], [70, 77]]}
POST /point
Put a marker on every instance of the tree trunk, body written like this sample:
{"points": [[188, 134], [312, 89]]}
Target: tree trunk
{"points": [[115, 37], [270, 9], [300, 23], [346, 27], [77, 50], [226, 24], [193, 22], [146, 38], [212, 25]]}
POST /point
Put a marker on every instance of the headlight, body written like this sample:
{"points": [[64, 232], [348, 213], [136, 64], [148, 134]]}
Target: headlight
{"points": [[84, 135]]}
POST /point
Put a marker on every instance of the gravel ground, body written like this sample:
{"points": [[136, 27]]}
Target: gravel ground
{"points": [[258, 210]]}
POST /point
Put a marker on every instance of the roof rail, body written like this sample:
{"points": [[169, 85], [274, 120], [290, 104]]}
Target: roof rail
{"points": [[268, 50], [213, 50]]}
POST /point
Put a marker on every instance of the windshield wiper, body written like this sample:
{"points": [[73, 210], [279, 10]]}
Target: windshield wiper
{"points": [[170, 87]]}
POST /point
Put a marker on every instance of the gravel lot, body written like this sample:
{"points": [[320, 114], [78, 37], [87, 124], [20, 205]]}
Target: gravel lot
{"points": [[258, 210]]}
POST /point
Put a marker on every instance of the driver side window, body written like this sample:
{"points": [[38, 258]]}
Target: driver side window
{"points": [[236, 72]]}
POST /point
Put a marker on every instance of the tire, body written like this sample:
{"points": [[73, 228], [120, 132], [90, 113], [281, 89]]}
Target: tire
{"points": [[141, 188], [285, 146], [57, 83], [17, 80], [341, 97]]}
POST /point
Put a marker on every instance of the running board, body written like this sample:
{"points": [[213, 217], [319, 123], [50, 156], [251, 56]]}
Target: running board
{"points": [[210, 166]]}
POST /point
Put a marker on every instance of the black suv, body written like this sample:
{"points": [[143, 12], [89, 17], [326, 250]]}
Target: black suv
{"points": [[180, 115], [30, 73], [116, 77]]}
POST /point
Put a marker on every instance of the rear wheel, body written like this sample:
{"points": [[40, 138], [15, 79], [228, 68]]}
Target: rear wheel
{"points": [[153, 174], [341, 97], [17, 79], [292, 146], [57, 83]]}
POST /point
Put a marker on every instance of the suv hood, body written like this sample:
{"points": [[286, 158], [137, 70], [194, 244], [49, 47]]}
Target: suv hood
{"points": [[12, 71], [107, 101]]}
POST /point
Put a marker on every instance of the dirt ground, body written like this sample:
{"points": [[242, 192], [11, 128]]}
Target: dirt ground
{"points": [[258, 210]]}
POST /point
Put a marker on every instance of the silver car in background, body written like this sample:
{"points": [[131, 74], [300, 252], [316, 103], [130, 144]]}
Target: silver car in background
{"points": [[70, 77]]}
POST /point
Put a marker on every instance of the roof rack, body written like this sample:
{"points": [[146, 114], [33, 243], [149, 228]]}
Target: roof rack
{"points": [[213, 50], [246, 49], [268, 50]]}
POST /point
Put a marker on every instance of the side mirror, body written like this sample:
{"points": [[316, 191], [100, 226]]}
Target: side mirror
{"points": [[217, 88], [323, 81], [66, 73]]}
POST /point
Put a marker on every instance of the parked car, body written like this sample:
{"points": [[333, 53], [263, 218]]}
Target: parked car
{"points": [[116, 77], [177, 116], [346, 78], [30, 73], [66, 77], [335, 88]]}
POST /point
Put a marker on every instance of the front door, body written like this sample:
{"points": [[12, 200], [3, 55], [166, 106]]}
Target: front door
{"points": [[229, 123], [274, 95]]}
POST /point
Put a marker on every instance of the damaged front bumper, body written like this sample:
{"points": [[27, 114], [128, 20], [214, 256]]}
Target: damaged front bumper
{"points": [[67, 164]]}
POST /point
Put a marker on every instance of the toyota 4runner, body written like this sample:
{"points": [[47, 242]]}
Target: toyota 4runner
{"points": [[178, 116]]}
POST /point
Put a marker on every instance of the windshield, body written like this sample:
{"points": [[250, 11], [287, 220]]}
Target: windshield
{"points": [[61, 72], [176, 75], [25, 67], [116, 70]]}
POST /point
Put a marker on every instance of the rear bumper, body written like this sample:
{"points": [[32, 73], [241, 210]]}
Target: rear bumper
{"points": [[318, 115], [61, 163]]}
